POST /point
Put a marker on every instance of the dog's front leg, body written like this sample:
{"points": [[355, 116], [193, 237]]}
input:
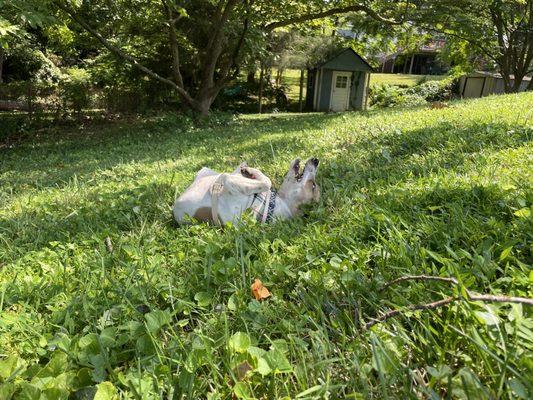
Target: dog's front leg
{"points": [[250, 181]]}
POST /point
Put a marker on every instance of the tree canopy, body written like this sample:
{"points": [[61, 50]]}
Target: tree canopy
{"points": [[196, 48]]}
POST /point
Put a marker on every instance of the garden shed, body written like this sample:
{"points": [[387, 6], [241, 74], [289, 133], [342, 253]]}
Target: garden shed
{"points": [[339, 83], [481, 83]]}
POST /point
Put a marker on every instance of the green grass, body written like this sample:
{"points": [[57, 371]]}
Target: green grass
{"points": [[169, 311], [402, 79]]}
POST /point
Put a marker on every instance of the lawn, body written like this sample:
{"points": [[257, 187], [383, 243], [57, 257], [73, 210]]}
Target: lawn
{"points": [[402, 79], [161, 311]]}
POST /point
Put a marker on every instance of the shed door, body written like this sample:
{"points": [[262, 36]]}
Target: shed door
{"points": [[473, 87], [340, 91]]}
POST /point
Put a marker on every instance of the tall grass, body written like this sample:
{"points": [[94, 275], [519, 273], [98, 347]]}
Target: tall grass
{"points": [[168, 313]]}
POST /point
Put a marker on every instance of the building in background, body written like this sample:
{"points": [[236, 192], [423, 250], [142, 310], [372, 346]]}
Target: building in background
{"points": [[338, 83], [422, 61], [481, 83]]}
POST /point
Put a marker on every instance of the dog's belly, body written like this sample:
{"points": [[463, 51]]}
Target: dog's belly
{"points": [[196, 197], [195, 202]]}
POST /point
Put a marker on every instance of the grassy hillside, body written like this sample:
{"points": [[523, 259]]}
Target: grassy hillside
{"points": [[169, 310]]}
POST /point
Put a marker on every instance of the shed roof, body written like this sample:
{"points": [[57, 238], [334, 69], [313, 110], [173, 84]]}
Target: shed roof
{"points": [[346, 59], [492, 74]]}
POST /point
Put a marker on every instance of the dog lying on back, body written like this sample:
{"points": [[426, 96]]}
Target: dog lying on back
{"points": [[222, 197]]}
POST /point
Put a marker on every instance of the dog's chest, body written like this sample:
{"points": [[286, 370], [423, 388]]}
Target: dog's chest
{"points": [[233, 206]]}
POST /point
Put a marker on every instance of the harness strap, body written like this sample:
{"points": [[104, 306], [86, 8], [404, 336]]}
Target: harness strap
{"points": [[216, 191], [265, 211], [269, 202]]}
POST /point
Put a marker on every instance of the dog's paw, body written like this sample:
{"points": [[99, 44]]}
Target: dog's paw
{"points": [[247, 173]]}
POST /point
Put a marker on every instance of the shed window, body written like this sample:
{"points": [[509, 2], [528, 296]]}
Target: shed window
{"points": [[341, 82]]}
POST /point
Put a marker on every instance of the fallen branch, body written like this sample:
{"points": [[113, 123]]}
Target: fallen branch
{"points": [[419, 278], [414, 307], [487, 298]]}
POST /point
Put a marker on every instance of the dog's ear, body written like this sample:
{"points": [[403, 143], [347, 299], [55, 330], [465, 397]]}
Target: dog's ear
{"points": [[294, 169]]}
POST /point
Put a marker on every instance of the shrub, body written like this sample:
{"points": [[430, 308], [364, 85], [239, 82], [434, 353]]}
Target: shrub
{"points": [[75, 89], [384, 95], [432, 90]]}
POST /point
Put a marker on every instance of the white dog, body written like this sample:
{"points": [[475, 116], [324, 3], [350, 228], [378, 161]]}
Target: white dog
{"points": [[221, 197]]}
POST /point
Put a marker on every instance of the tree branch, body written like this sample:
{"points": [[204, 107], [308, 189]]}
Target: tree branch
{"points": [[117, 51], [419, 278], [232, 63], [174, 47], [332, 11], [414, 307], [487, 298], [214, 48]]}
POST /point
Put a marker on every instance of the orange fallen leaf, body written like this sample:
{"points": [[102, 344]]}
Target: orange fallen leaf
{"points": [[260, 292]]}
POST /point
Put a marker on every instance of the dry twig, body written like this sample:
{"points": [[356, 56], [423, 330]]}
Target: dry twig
{"points": [[488, 298]]}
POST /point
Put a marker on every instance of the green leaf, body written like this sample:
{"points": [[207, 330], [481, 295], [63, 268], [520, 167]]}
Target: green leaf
{"points": [[89, 344], [519, 389], [105, 391], [155, 320], [242, 390], [240, 342], [8, 366], [505, 253], [84, 378], [54, 394], [523, 212], [56, 366], [28, 392], [7, 390], [232, 302], [488, 318], [98, 362], [256, 352], [203, 299], [144, 345], [309, 391], [263, 367], [278, 362], [439, 373], [107, 337]]}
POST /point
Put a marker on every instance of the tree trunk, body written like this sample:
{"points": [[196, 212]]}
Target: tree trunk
{"points": [[1, 64], [300, 107], [203, 106], [279, 74], [261, 79], [250, 77], [506, 76], [203, 101], [411, 65], [517, 82]]}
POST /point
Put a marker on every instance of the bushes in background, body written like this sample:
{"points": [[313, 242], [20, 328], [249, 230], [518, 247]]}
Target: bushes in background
{"points": [[385, 95]]}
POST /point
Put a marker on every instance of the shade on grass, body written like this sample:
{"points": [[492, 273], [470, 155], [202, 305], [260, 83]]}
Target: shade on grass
{"points": [[440, 192]]}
